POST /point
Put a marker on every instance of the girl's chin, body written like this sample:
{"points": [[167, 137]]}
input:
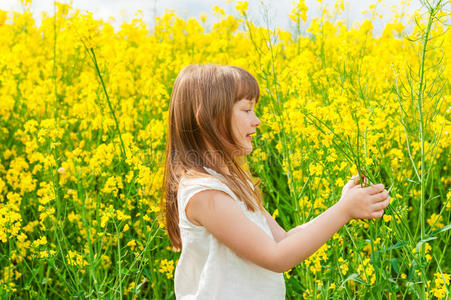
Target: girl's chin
{"points": [[248, 150], [244, 151]]}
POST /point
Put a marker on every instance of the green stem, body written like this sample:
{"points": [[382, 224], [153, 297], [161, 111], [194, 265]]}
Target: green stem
{"points": [[421, 121], [119, 259], [94, 59]]}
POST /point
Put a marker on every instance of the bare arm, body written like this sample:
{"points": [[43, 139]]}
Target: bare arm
{"points": [[277, 231], [223, 218], [352, 183]]}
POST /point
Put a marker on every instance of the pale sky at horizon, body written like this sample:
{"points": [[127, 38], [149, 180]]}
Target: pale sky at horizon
{"points": [[124, 10]]}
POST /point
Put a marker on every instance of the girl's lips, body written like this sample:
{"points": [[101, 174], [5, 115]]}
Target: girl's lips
{"points": [[249, 137]]}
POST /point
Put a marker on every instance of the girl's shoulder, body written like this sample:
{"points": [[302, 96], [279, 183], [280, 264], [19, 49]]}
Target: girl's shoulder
{"points": [[195, 177], [211, 179], [191, 184]]}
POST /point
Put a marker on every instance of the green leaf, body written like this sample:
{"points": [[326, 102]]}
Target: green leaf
{"points": [[353, 277], [394, 264], [398, 244], [424, 241], [445, 228], [125, 271]]}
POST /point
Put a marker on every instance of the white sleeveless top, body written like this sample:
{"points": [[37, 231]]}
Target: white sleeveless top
{"points": [[207, 269]]}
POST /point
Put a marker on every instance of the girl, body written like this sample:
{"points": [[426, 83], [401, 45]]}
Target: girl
{"points": [[231, 246]]}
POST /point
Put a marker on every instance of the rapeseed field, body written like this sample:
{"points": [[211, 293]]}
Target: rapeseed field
{"points": [[83, 127]]}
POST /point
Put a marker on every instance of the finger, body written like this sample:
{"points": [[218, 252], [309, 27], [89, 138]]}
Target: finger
{"points": [[352, 180], [356, 179], [376, 188], [380, 205], [377, 214], [382, 196], [360, 178]]}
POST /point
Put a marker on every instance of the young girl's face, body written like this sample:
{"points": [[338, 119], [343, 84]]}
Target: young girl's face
{"points": [[244, 123]]}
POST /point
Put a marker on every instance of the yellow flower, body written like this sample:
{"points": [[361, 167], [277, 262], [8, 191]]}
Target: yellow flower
{"points": [[75, 259], [435, 221], [203, 17], [242, 7], [40, 241], [441, 282], [218, 11], [299, 12], [132, 244], [106, 261], [167, 267], [387, 218]]}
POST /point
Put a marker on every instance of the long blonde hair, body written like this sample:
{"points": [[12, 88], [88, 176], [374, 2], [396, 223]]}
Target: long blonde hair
{"points": [[200, 135]]}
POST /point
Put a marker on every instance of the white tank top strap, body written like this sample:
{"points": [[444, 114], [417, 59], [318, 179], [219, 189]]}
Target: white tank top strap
{"points": [[190, 187]]}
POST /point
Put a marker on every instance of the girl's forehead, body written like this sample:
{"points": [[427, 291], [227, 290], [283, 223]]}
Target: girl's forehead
{"points": [[246, 101]]}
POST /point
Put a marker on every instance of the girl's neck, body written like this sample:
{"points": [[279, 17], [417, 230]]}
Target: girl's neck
{"points": [[216, 159], [226, 170]]}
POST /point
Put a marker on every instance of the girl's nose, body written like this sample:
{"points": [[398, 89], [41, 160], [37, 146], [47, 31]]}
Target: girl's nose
{"points": [[256, 121]]}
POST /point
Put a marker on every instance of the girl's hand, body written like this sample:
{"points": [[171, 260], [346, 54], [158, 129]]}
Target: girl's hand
{"points": [[355, 181], [349, 185], [363, 202]]}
